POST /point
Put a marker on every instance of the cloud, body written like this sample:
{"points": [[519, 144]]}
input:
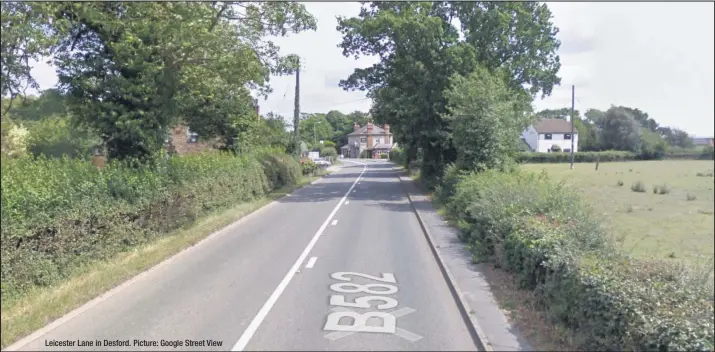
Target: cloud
{"points": [[654, 56]]}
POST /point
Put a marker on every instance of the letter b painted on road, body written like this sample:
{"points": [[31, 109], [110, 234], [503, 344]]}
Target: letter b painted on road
{"points": [[359, 322]]}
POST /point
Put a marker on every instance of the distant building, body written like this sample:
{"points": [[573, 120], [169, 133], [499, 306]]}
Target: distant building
{"points": [[546, 133], [369, 141], [703, 141]]}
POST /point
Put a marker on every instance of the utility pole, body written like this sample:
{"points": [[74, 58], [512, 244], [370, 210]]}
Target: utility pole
{"points": [[573, 91], [296, 111]]}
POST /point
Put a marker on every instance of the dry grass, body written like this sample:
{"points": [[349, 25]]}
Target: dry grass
{"points": [[522, 312], [44, 305], [677, 223]]}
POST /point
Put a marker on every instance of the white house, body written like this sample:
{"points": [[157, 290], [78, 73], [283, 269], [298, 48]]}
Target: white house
{"points": [[546, 133]]}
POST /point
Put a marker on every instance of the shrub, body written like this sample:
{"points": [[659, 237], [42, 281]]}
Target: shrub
{"points": [[638, 186], [662, 189], [620, 183], [397, 156], [555, 148], [56, 136], [308, 166], [383, 156], [691, 197], [543, 233], [58, 214]]}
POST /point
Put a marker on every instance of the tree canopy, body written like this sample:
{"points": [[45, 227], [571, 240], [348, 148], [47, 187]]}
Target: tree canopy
{"points": [[421, 48], [133, 70]]}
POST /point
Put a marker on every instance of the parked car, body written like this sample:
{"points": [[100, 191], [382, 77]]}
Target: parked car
{"points": [[321, 162]]}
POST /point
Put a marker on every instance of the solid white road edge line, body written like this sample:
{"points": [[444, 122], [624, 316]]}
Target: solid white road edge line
{"points": [[258, 319], [311, 262]]}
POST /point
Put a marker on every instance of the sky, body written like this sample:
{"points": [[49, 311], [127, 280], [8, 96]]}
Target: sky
{"points": [[657, 57]]}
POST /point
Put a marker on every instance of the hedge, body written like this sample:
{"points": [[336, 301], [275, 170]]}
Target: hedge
{"points": [[543, 233], [611, 155], [60, 213]]}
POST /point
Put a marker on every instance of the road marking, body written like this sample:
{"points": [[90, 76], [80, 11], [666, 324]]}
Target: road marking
{"points": [[311, 262], [348, 202], [408, 335], [335, 222], [354, 191], [258, 319]]}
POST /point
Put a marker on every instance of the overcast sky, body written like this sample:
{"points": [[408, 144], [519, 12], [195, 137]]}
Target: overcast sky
{"points": [[654, 56]]}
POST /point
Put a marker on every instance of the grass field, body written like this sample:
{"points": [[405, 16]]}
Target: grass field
{"points": [[677, 223]]}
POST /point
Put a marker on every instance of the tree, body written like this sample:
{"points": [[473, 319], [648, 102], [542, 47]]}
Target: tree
{"points": [[134, 70], [562, 114], [676, 137], [620, 131], [420, 50], [595, 116], [273, 131], [316, 128], [587, 135], [485, 121], [653, 146]]}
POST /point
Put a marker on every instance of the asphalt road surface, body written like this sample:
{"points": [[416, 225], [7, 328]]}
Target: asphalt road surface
{"points": [[338, 265]]}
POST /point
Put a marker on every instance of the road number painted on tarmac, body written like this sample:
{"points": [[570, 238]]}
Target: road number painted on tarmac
{"points": [[359, 321], [386, 277]]}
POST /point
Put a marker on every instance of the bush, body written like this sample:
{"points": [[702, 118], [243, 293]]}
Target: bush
{"points": [[308, 167], [397, 156], [58, 214], [555, 148], [543, 233], [56, 136], [383, 156], [638, 186]]}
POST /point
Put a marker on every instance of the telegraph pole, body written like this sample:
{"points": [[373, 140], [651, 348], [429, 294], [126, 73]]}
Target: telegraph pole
{"points": [[296, 111], [573, 91]]}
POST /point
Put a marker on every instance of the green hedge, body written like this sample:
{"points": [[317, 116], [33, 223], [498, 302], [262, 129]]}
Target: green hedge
{"points": [[544, 233], [579, 157], [611, 155], [60, 213]]}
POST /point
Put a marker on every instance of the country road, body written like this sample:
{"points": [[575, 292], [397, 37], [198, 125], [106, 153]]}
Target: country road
{"points": [[299, 274]]}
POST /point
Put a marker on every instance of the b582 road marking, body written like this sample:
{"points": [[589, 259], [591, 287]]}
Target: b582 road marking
{"points": [[377, 296]]}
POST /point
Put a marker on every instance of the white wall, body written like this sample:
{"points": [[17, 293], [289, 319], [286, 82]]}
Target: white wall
{"points": [[557, 139]]}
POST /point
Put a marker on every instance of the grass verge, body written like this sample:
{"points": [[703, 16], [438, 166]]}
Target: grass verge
{"points": [[41, 306]]}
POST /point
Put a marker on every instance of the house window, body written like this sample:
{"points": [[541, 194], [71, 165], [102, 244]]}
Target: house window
{"points": [[567, 135], [377, 141], [547, 135], [363, 139]]}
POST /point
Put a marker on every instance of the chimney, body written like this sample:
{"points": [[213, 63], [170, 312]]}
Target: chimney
{"points": [[356, 127], [388, 138], [369, 135]]}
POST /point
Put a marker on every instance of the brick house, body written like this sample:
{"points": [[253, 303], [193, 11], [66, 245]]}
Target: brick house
{"points": [[369, 141], [182, 141]]}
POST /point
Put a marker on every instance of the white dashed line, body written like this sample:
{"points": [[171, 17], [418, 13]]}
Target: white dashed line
{"points": [[311, 262], [261, 315]]}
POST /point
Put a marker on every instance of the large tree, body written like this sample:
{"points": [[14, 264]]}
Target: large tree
{"points": [[135, 69], [620, 131], [420, 50]]}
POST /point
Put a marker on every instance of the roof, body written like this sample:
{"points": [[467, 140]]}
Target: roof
{"points": [[382, 146], [363, 130], [553, 126]]}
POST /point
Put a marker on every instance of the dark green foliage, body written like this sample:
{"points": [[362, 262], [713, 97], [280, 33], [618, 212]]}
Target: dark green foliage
{"points": [[543, 233], [579, 157], [60, 213]]}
